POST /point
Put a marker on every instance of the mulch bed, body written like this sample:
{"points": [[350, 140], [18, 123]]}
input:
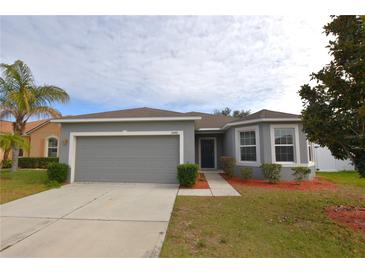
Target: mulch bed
{"points": [[201, 183], [314, 185], [353, 217]]}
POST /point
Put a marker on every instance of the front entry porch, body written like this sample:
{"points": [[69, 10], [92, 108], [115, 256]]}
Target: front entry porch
{"points": [[208, 151]]}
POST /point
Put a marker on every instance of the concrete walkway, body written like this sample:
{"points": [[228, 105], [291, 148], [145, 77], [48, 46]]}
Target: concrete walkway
{"points": [[218, 187], [88, 220]]}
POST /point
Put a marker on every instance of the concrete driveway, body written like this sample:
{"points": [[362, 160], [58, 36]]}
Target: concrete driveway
{"points": [[88, 220]]}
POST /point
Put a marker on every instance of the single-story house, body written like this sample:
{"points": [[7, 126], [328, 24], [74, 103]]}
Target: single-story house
{"points": [[146, 145], [42, 136]]}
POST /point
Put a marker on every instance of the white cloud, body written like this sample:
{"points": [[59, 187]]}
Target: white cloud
{"points": [[182, 63]]}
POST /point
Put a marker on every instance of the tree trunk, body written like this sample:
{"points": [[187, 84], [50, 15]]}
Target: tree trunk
{"points": [[15, 154]]}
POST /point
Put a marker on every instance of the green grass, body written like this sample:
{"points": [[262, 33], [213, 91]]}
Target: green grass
{"points": [[22, 183], [264, 223], [343, 177]]}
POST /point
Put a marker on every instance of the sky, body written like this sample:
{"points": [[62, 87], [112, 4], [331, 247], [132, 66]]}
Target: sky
{"points": [[181, 63]]}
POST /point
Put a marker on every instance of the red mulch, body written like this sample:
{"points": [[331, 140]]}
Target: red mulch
{"points": [[313, 185], [201, 183], [353, 217]]}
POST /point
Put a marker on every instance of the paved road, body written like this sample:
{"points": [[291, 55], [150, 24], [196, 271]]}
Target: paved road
{"points": [[88, 220]]}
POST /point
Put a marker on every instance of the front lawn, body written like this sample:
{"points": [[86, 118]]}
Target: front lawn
{"points": [[264, 223], [343, 177], [22, 183]]}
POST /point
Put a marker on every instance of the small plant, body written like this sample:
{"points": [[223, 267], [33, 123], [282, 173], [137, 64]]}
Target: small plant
{"points": [[57, 172], [246, 172], [187, 174], [300, 172], [228, 164], [6, 163], [271, 172]]}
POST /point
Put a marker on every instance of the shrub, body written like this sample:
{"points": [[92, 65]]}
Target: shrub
{"points": [[246, 172], [228, 164], [53, 184], [36, 162], [300, 172], [271, 172], [6, 163], [187, 174], [57, 172]]}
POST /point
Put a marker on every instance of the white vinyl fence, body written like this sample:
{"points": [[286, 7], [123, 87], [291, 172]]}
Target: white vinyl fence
{"points": [[326, 162]]}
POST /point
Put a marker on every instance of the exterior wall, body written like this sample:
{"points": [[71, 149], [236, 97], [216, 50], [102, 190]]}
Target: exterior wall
{"points": [[37, 141], [219, 142], [186, 126], [265, 141], [39, 138]]}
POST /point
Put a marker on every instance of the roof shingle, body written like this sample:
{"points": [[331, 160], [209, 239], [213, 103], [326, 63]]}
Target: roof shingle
{"points": [[129, 113]]}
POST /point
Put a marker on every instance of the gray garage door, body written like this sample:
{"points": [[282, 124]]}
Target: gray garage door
{"points": [[127, 159]]}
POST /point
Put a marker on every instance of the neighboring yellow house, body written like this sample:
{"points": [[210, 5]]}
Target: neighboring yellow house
{"points": [[42, 135]]}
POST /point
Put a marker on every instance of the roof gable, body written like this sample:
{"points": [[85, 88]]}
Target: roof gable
{"points": [[7, 126]]}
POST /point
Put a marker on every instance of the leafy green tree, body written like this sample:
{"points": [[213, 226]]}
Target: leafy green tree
{"points": [[241, 113], [228, 112], [8, 141], [21, 99], [334, 106]]}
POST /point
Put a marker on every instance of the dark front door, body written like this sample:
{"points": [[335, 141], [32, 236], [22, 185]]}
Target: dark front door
{"points": [[207, 153]]}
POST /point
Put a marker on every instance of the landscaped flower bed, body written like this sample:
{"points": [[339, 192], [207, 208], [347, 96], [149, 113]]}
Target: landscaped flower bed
{"points": [[201, 183], [350, 216], [313, 185]]}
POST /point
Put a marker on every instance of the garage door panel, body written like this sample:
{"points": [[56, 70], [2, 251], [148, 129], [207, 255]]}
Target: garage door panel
{"points": [[127, 159]]}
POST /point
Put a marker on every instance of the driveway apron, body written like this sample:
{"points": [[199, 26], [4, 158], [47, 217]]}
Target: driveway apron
{"points": [[88, 220]]}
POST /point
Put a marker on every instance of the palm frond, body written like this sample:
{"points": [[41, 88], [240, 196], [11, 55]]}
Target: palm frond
{"points": [[7, 141], [44, 112], [50, 94], [7, 113]]}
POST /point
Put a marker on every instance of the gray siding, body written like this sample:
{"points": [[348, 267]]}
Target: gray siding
{"points": [[136, 159], [186, 126], [266, 149]]}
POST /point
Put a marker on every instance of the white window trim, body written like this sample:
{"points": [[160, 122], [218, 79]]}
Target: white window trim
{"points": [[311, 145], [215, 151], [46, 145], [74, 135], [296, 144], [238, 146]]}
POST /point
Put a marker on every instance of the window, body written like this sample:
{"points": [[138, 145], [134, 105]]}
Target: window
{"points": [[284, 144], [52, 149], [21, 152], [248, 146]]}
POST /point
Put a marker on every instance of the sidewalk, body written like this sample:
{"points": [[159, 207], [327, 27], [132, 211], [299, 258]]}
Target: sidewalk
{"points": [[218, 187]]}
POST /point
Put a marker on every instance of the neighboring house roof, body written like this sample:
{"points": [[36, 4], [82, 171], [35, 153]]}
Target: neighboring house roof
{"points": [[7, 126]]}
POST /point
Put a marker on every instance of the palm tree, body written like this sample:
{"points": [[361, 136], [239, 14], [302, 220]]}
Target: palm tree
{"points": [[21, 99], [8, 141]]}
